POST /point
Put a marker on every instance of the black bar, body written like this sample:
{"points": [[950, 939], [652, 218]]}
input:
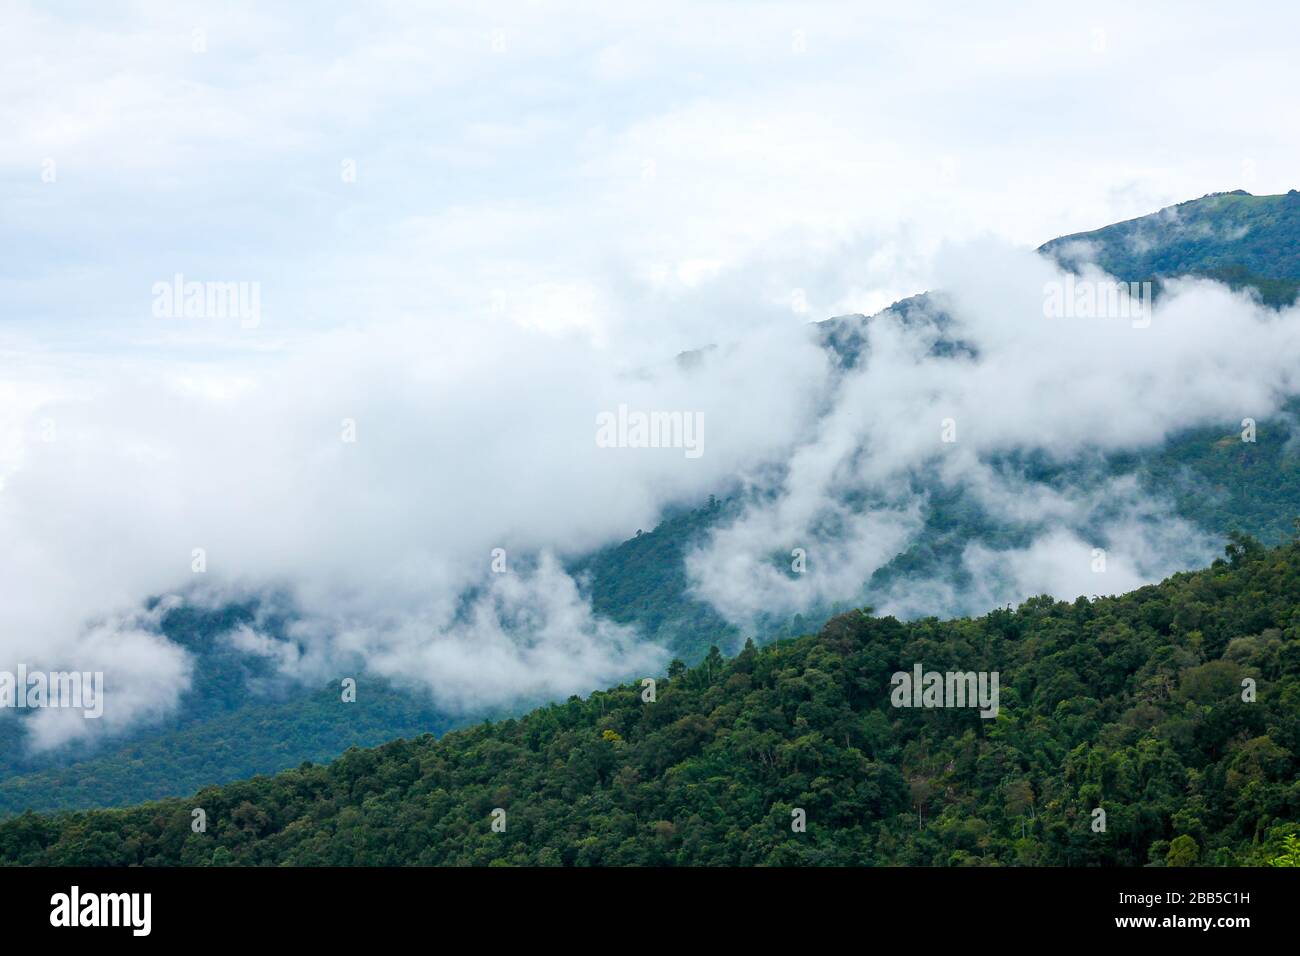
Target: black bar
{"points": [[335, 905]]}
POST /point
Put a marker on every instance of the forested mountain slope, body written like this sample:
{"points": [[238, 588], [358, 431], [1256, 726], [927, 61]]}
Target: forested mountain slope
{"points": [[1134, 705]]}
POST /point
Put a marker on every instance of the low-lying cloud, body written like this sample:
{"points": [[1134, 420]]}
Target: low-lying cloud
{"points": [[1067, 389], [372, 474]]}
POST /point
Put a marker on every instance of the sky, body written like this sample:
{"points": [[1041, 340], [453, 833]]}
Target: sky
{"points": [[473, 227], [586, 166]]}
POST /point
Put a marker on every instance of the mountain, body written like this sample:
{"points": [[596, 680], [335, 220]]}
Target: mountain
{"points": [[1234, 237], [1211, 479], [1171, 708], [222, 732]]}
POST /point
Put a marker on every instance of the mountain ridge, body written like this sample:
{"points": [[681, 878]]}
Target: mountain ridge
{"points": [[642, 582]]}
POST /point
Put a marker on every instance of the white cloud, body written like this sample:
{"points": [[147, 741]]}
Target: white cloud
{"points": [[1071, 389], [466, 440]]}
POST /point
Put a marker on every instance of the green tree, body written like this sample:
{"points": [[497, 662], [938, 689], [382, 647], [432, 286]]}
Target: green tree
{"points": [[1183, 851]]}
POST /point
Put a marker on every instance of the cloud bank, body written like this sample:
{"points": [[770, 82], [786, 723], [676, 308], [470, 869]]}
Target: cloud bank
{"points": [[371, 476], [1067, 389]]}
